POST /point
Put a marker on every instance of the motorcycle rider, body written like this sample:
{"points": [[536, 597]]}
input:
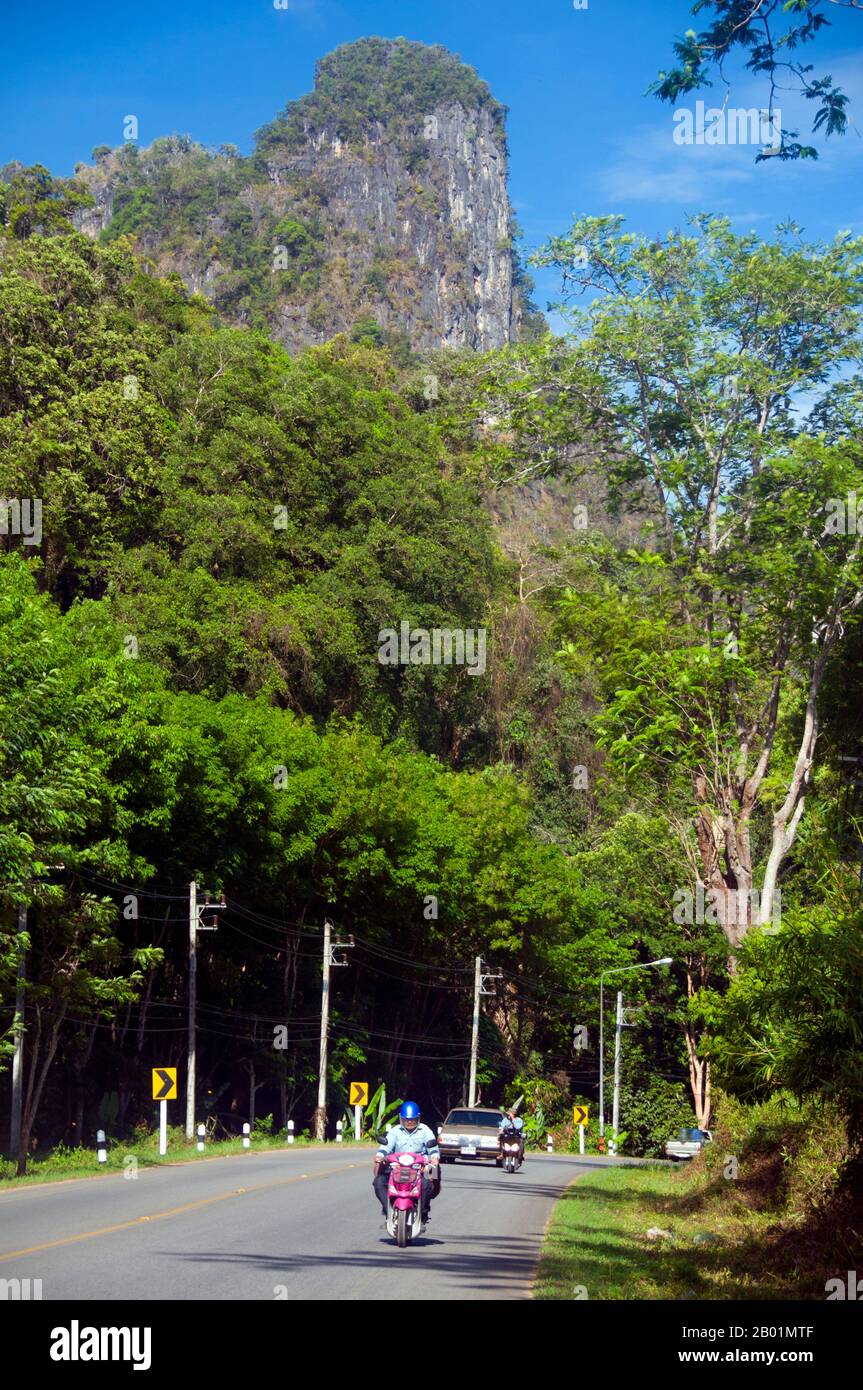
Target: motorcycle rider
{"points": [[408, 1137], [509, 1120]]}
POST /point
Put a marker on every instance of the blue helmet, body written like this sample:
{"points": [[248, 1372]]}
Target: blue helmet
{"points": [[409, 1111]]}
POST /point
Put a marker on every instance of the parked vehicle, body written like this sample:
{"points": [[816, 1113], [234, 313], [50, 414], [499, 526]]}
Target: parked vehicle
{"points": [[404, 1191], [472, 1133], [688, 1143], [511, 1152]]}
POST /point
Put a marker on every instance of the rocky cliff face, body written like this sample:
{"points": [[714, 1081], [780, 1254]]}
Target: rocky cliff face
{"points": [[381, 197], [429, 252]]}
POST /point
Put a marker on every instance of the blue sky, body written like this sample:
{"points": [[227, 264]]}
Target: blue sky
{"points": [[583, 136]]}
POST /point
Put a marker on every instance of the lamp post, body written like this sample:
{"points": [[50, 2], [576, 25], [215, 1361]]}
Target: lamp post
{"points": [[615, 970]]}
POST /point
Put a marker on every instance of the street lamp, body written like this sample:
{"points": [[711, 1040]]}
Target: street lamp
{"points": [[615, 970]]}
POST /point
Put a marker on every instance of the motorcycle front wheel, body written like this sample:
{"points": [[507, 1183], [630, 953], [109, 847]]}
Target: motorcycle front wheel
{"points": [[402, 1228]]}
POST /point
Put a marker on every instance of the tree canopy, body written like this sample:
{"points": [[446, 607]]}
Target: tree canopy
{"points": [[772, 34]]}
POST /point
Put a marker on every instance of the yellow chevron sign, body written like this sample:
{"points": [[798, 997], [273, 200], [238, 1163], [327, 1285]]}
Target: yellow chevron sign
{"points": [[579, 1114], [164, 1083], [359, 1093]]}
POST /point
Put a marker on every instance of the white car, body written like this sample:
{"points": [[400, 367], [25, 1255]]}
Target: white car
{"points": [[688, 1143], [471, 1133]]}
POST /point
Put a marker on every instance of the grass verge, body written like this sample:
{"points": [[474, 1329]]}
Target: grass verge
{"points": [[717, 1247], [772, 1209], [61, 1164]]}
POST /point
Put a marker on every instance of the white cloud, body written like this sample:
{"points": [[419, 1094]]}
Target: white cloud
{"points": [[748, 219], [649, 165]]}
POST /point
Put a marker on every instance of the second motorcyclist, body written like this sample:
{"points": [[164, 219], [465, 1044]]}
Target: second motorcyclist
{"points": [[509, 1120]]}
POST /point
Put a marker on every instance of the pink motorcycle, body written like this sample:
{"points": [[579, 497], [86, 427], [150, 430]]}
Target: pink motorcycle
{"points": [[404, 1190]]}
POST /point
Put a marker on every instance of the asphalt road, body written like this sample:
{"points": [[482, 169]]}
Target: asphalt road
{"points": [[301, 1223]]}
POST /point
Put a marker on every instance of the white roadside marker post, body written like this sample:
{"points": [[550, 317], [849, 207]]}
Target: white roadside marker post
{"points": [[101, 1151], [358, 1122], [339, 1131], [290, 1131], [247, 1129], [549, 1148], [201, 1133]]}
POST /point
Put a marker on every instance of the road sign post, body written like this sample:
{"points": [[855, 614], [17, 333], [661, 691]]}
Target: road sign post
{"points": [[579, 1118], [164, 1089], [359, 1097]]}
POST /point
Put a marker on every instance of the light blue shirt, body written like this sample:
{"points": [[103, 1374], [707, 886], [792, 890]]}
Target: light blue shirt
{"points": [[418, 1141], [507, 1123]]}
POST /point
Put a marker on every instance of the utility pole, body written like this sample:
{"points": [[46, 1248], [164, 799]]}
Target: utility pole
{"points": [[321, 1112], [329, 960], [193, 1000], [601, 1066], [195, 925], [618, 1028], [479, 988], [16, 1118], [18, 1032], [474, 1042]]}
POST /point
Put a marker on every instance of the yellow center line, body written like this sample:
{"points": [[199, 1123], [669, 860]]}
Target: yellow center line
{"points": [[174, 1211]]}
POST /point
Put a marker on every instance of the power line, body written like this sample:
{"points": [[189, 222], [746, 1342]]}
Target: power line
{"points": [[260, 919], [425, 984], [268, 945], [284, 927], [126, 887], [402, 959], [376, 948]]}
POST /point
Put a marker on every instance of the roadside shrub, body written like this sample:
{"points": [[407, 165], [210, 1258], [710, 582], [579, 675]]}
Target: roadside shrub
{"points": [[653, 1114], [804, 1146]]}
